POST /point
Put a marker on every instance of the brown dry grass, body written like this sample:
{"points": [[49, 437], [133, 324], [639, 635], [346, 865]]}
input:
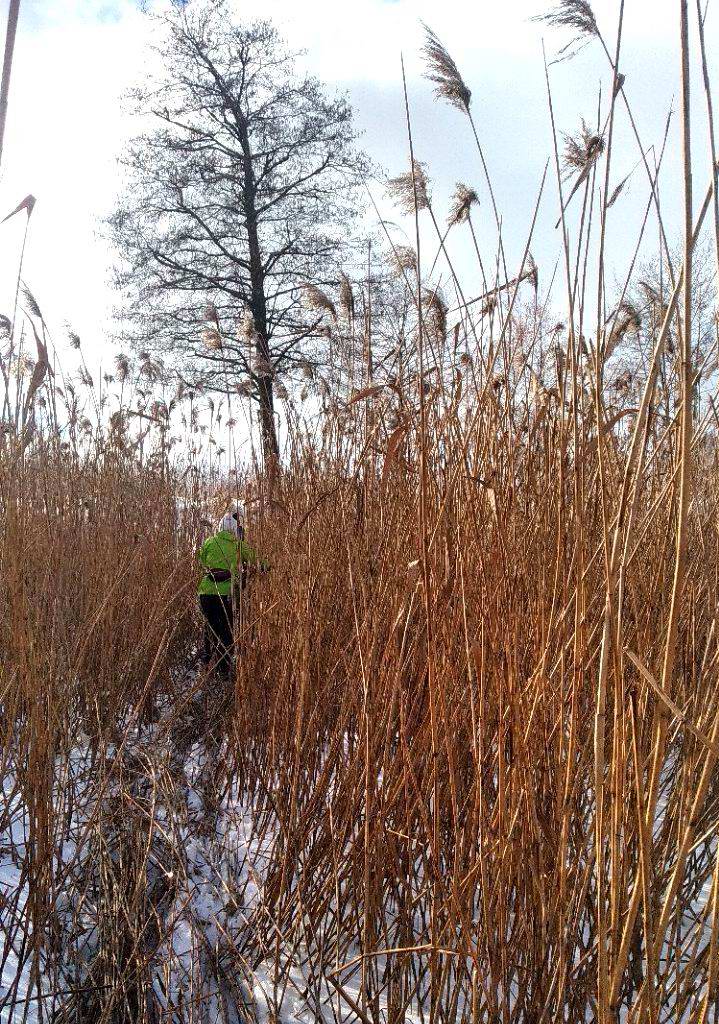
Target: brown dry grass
{"points": [[476, 713]]}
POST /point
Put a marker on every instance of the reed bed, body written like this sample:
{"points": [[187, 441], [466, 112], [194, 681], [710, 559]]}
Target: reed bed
{"points": [[420, 771], [435, 782], [467, 768]]}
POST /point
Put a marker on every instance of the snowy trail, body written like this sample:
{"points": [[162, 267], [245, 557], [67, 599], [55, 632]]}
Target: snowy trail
{"points": [[207, 857], [14, 976]]}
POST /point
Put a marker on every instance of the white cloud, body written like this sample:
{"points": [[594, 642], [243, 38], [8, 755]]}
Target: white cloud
{"points": [[74, 58], [64, 128]]}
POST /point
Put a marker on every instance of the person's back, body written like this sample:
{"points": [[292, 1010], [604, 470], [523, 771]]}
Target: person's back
{"points": [[225, 558], [220, 557]]}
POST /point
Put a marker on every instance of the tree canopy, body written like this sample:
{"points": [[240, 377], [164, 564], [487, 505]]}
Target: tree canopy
{"points": [[238, 203]]}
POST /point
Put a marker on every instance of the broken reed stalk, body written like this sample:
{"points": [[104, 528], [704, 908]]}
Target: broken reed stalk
{"points": [[10, 33]]}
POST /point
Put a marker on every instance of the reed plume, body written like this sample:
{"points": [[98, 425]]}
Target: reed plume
{"points": [[463, 200], [444, 73], [576, 15], [435, 308], [405, 259], [347, 299], [410, 187], [582, 150], [212, 339], [315, 298], [31, 302], [122, 367]]}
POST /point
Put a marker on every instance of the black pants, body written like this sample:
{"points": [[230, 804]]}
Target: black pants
{"points": [[218, 629]]}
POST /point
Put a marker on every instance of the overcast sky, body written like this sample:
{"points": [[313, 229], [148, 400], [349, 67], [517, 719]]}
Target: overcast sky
{"points": [[74, 59]]}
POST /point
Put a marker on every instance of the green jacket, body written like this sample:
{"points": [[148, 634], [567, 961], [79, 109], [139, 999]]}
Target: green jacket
{"points": [[228, 552]]}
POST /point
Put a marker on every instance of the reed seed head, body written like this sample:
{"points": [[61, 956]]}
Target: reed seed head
{"points": [[315, 298], [31, 302], [408, 187], [435, 311], [405, 259], [261, 366], [617, 192], [212, 339], [347, 299], [463, 200], [444, 73], [576, 15], [580, 152], [122, 367]]}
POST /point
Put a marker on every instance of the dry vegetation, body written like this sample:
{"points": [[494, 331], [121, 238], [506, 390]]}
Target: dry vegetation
{"points": [[468, 770]]}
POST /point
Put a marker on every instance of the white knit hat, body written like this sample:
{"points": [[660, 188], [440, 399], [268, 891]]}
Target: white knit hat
{"points": [[233, 520]]}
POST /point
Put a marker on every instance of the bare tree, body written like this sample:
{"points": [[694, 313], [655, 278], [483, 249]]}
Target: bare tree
{"points": [[634, 325], [237, 208]]}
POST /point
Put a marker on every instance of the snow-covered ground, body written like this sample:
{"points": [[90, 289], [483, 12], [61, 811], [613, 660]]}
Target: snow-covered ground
{"points": [[150, 834], [13, 898], [203, 872], [205, 862]]}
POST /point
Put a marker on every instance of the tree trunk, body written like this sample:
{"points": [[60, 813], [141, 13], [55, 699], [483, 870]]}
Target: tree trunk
{"points": [[258, 303], [270, 446]]}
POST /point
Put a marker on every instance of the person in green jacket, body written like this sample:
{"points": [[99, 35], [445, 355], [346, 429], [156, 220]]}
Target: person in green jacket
{"points": [[228, 561]]}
